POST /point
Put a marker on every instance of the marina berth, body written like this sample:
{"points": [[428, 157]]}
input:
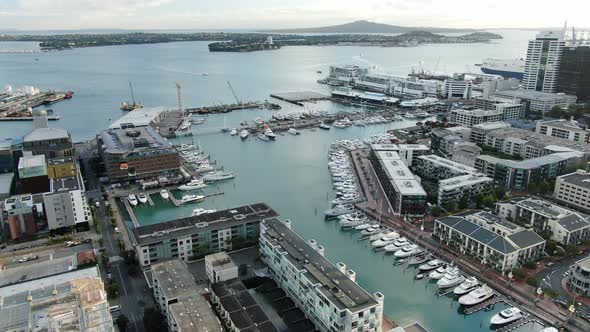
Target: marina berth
{"points": [[194, 184], [450, 279], [439, 272], [142, 198], [477, 296], [385, 240], [191, 199]]}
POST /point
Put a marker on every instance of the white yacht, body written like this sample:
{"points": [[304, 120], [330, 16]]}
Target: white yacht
{"points": [[324, 126], [200, 211], [193, 185], [218, 176], [371, 230], [233, 132], [450, 280], [132, 200], [407, 251], [431, 265], [379, 235], [477, 296], [439, 272], [506, 316], [142, 198], [363, 226], [164, 194], [409, 115], [293, 131], [385, 240], [466, 286], [268, 133], [244, 134], [549, 329], [263, 137], [191, 198]]}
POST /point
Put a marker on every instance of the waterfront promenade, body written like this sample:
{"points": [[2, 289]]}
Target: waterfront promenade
{"points": [[377, 206]]}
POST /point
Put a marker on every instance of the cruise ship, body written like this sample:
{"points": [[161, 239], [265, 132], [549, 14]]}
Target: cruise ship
{"points": [[507, 68]]}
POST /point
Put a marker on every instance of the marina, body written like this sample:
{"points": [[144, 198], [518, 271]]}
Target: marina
{"points": [[298, 98]]}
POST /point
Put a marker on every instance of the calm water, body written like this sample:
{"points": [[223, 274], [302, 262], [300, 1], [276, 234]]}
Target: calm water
{"points": [[290, 174]]}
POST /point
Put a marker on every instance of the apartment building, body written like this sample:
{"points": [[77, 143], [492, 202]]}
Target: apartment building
{"points": [[565, 129], [66, 205], [573, 190], [578, 278], [537, 101], [511, 110], [470, 118], [328, 294], [469, 185], [219, 267], [479, 132], [543, 56], [457, 88]]}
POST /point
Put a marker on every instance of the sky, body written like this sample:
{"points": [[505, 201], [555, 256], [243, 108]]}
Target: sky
{"points": [[266, 14]]}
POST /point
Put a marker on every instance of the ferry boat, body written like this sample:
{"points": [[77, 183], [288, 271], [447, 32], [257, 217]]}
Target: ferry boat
{"points": [[142, 198], [477, 296], [193, 185], [164, 194], [244, 134], [507, 68], [506, 316], [191, 198], [466, 286], [132, 200], [218, 176]]}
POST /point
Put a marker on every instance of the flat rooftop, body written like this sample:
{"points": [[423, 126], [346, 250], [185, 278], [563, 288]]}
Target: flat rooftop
{"points": [[65, 184], [121, 141], [537, 139], [530, 94], [335, 285], [477, 112], [60, 161], [174, 278], [194, 313], [491, 125], [220, 260], [155, 233], [464, 180], [399, 174], [535, 162], [40, 269], [138, 118], [43, 134], [579, 178], [449, 164]]}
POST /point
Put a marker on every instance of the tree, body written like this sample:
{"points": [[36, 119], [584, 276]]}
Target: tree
{"points": [[122, 322], [534, 282], [519, 274], [450, 206], [489, 201], [112, 289], [464, 202], [500, 192], [533, 187], [436, 211], [154, 321], [479, 200]]}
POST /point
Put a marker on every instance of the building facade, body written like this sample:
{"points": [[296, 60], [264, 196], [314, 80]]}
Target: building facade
{"points": [[578, 278], [542, 62], [574, 72], [457, 89], [65, 204], [470, 118], [569, 130], [573, 190], [328, 294], [219, 267], [470, 185]]}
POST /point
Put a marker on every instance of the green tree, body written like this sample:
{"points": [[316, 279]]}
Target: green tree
{"points": [[479, 200], [489, 201], [500, 192], [450, 206], [464, 202], [533, 187], [519, 274], [122, 322], [154, 321], [112, 289], [436, 211], [534, 282]]}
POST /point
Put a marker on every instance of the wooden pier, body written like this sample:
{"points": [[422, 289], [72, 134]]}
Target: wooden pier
{"points": [[495, 299], [26, 118], [226, 108], [298, 98], [149, 199], [514, 325], [130, 212]]}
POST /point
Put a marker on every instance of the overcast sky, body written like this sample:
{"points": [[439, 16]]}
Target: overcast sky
{"points": [[253, 14]]}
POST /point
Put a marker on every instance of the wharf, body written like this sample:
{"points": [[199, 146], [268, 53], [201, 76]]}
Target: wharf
{"points": [[20, 104], [513, 326], [298, 98], [484, 305], [226, 108], [130, 212], [26, 118]]}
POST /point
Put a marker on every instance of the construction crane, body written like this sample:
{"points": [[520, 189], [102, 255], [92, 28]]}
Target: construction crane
{"points": [[234, 93], [179, 93]]}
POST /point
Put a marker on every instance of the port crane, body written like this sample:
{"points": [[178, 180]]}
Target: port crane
{"points": [[179, 95], [234, 93]]}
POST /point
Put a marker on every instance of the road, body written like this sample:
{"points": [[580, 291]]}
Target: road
{"points": [[132, 290]]}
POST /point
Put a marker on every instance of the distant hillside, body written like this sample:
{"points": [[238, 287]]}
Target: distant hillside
{"points": [[367, 27]]}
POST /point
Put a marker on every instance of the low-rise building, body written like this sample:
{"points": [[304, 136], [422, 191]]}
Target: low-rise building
{"points": [[61, 167], [578, 278], [573, 190], [479, 132], [407, 152], [197, 236], [50, 142], [20, 220], [537, 101], [327, 294], [433, 167], [469, 185], [443, 140], [566, 226], [510, 109], [457, 88], [566, 129], [465, 153], [219, 267], [470, 118], [65, 204], [179, 299]]}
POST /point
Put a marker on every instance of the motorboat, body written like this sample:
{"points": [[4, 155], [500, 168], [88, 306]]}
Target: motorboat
{"points": [[407, 251], [385, 240], [379, 235], [191, 198], [324, 126], [268, 133], [293, 131], [399, 243], [466, 286], [200, 211], [218, 176], [263, 137], [142, 198], [233, 132], [431, 265], [338, 210], [422, 114], [506, 316], [244, 134], [259, 121], [371, 230], [398, 117], [409, 115], [363, 226], [164, 193], [450, 279], [419, 259], [132, 200], [419, 276], [346, 224], [439, 272], [193, 185], [477, 296]]}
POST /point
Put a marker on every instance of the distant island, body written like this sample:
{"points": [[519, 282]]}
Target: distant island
{"points": [[368, 27], [248, 42]]}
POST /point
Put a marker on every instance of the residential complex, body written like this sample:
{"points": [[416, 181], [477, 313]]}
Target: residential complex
{"points": [[574, 72], [567, 227], [403, 189], [137, 153], [479, 132], [219, 267], [470, 118], [409, 153], [537, 101], [478, 236], [327, 294], [200, 235], [542, 62], [578, 278], [566, 129], [180, 300], [511, 110], [573, 190]]}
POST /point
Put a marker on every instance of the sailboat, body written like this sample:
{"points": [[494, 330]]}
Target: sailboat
{"points": [[126, 106], [225, 129]]}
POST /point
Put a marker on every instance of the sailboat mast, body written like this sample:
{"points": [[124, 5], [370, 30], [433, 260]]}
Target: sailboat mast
{"points": [[132, 95]]}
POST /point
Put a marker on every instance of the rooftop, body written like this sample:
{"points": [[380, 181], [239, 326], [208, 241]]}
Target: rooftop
{"points": [[464, 180], [334, 285], [530, 94], [532, 163], [449, 164], [31, 161], [193, 313], [121, 141], [42, 134], [537, 139], [65, 184], [154, 233], [584, 263], [399, 174], [220, 260], [174, 278], [138, 118], [525, 238], [60, 161], [478, 233], [491, 125], [562, 123], [579, 178], [477, 112]]}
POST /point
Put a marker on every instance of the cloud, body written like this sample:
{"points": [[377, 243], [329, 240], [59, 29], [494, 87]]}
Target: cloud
{"points": [[89, 6]]}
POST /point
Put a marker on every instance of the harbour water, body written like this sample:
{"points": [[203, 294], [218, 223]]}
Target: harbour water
{"points": [[290, 174]]}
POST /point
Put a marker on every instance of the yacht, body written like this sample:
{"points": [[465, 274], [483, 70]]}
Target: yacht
{"points": [[506, 316], [407, 251], [477, 296], [191, 198], [193, 185], [379, 235], [263, 137], [409, 115], [338, 210], [422, 114], [268, 133], [132, 200], [431, 265], [451, 279], [398, 117], [258, 121], [439, 272], [244, 134], [324, 126], [371, 230], [293, 131], [200, 211], [418, 259], [233, 132], [364, 226], [142, 198], [218, 176], [351, 223], [466, 286], [385, 240], [164, 194]]}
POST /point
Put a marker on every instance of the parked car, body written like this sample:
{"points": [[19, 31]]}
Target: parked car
{"points": [[109, 275], [27, 258], [561, 303], [117, 230], [550, 264]]}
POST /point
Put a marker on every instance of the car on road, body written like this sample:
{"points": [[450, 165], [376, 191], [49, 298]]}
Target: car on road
{"points": [[27, 258], [561, 303], [550, 264], [72, 243], [109, 275], [117, 230], [586, 317]]}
